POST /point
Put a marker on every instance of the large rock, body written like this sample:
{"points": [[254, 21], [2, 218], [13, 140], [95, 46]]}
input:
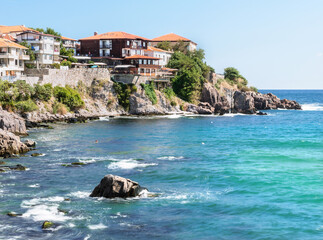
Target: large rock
{"points": [[12, 122], [112, 186], [210, 94], [10, 144], [244, 103]]}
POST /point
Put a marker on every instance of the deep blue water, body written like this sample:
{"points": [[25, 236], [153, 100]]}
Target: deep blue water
{"points": [[217, 177]]}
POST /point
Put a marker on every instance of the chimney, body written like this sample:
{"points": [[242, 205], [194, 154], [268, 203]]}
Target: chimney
{"points": [[95, 33]]}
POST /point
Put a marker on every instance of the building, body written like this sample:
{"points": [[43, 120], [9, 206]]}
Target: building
{"points": [[174, 39], [113, 47], [45, 46], [161, 54], [14, 30], [69, 43], [12, 58]]}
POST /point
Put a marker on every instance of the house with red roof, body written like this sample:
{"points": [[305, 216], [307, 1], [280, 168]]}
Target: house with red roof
{"points": [[69, 43], [174, 39]]}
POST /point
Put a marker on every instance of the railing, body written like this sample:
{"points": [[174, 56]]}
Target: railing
{"points": [[105, 46]]}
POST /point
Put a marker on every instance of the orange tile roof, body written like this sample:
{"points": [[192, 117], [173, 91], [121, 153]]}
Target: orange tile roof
{"points": [[141, 57], [65, 38], [8, 37], [154, 49], [114, 35], [171, 37], [7, 43], [18, 28]]}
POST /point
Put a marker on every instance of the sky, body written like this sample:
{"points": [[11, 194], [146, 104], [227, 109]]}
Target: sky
{"points": [[275, 44]]}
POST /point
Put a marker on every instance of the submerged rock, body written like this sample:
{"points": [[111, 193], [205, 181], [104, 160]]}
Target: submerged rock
{"points": [[47, 224], [36, 154], [13, 214], [17, 167], [112, 186]]}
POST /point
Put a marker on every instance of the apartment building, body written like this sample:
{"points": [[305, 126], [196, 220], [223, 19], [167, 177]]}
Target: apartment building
{"points": [[12, 59], [45, 46], [69, 43]]}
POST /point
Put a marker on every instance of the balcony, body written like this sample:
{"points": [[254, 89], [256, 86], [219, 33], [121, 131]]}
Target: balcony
{"points": [[24, 57], [106, 46], [6, 55]]}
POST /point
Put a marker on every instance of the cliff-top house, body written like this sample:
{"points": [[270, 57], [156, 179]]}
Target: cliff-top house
{"points": [[12, 58], [13, 31], [174, 39], [45, 46], [69, 43]]}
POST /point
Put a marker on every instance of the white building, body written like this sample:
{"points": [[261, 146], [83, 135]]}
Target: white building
{"points": [[163, 55], [45, 46], [12, 58], [69, 43]]}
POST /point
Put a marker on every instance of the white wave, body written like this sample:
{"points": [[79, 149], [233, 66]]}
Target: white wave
{"points": [[80, 194], [171, 158], [104, 119], [88, 161], [312, 107], [34, 185], [119, 215], [97, 226], [45, 213], [44, 209], [129, 164], [87, 237], [57, 149]]}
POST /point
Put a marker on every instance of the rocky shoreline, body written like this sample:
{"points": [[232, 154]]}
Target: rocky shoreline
{"points": [[103, 102]]}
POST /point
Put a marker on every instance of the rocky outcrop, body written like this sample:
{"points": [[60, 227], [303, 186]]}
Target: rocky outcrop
{"points": [[231, 100], [141, 105], [10, 144], [112, 186], [244, 103], [12, 123]]}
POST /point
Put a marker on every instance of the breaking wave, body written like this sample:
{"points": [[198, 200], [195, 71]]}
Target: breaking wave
{"points": [[312, 107]]}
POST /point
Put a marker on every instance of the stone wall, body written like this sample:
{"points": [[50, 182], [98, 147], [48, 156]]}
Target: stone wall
{"points": [[62, 77]]}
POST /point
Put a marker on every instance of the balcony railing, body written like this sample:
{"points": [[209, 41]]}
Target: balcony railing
{"points": [[106, 46]]}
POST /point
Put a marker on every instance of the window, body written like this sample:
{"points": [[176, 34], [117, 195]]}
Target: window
{"points": [[138, 52], [140, 61], [148, 61], [144, 44], [50, 57], [145, 61], [128, 43], [16, 62]]}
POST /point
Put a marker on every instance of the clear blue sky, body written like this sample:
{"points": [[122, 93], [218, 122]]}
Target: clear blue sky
{"points": [[276, 44]]}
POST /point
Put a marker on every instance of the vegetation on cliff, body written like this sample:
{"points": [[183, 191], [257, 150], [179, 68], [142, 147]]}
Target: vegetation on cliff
{"points": [[192, 73], [123, 92], [22, 97], [150, 92]]}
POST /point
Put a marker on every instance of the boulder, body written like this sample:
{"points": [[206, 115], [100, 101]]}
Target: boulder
{"points": [[210, 94], [10, 144], [141, 105], [30, 143], [47, 224], [12, 123], [112, 186], [18, 167], [244, 103]]}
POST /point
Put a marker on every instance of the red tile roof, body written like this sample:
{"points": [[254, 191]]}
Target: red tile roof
{"points": [[8, 43], [171, 37], [141, 57], [65, 38], [114, 35], [18, 28], [154, 49], [8, 37]]}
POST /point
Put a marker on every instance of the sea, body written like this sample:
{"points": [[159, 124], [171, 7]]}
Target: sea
{"points": [[208, 177]]}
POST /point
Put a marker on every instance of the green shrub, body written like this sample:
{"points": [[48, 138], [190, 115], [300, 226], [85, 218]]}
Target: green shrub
{"points": [[123, 92], [66, 63], [60, 108], [43, 92], [68, 96], [26, 106], [150, 92], [173, 103], [254, 89], [169, 93], [56, 65], [25, 91]]}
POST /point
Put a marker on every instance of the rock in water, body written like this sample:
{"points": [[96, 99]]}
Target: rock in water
{"points": [[30, 143], [47, 224], [10, 144], [112, 186]]}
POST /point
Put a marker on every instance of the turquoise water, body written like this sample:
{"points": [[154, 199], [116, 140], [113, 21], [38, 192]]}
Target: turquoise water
{"points": [[226, 177]]}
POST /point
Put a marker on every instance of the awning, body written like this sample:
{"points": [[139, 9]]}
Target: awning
{"points": [[125, 66]]}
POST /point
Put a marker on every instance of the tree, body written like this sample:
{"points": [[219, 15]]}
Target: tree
{"points": [[29, 51], [48, 31], [181, 46], [165, 46], [234, 75]]}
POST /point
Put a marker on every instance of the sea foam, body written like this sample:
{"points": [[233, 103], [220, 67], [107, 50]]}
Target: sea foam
{"points": [[129, 164], [312, 107]]}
